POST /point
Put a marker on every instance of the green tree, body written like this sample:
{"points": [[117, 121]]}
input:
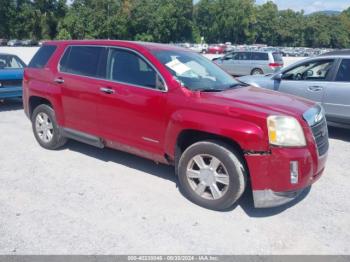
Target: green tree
{"points": [[7, 11], [267, 24], [226, 20], [290, 28]]}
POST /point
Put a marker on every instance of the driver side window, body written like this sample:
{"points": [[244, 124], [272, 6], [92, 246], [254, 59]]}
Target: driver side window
{"points": [[310, 71]]}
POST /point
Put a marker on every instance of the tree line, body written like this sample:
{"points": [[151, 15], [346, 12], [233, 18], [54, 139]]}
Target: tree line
{"points": [[236, 21]]}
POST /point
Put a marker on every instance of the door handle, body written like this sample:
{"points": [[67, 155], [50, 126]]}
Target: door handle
{"points": [[107, 90], [59, 80], [315, 88]]}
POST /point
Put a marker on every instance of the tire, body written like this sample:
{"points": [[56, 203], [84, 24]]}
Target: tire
{"points": [[231, 171], [257, 71], [46, 132]]}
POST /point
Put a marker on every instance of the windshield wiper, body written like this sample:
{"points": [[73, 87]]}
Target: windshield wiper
{"points": [[208, 89], [240, 84]]}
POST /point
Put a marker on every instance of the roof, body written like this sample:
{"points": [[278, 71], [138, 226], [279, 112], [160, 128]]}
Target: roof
{"points": [[148, 45]]}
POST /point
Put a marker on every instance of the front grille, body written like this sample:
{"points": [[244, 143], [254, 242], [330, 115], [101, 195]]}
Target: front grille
{"points": [[320, 132], [9, 83]]}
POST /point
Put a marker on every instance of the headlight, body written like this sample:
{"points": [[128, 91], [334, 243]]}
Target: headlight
{"points": [[285, 131]]}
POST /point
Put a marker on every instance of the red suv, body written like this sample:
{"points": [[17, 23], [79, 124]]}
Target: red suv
{"points": [[176, 107]]}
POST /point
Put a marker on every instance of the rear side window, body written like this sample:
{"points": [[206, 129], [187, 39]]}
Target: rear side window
{"points": [[243, 56], [344, 71], [260, 56], [277, 57], [41, 57], [84, 60]]}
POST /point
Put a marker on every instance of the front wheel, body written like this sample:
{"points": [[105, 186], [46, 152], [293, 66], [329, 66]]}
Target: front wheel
{"points": [[212, 174]]}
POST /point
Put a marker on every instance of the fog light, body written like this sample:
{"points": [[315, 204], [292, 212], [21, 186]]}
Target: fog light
{"points": [[294, 172]]}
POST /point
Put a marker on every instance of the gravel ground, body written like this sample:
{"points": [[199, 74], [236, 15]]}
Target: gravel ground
{"points": [[83, 200]]}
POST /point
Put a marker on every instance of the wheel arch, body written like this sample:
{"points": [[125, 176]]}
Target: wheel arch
{"points": [[256, 68], [35, 101]]}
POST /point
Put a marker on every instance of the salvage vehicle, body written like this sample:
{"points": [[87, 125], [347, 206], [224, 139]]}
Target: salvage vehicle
{"points": [[11, 74], [324, 79], [176, 107]]}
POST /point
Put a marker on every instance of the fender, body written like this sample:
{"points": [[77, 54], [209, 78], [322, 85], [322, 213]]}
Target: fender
{"points": [[249, 136], [51, 93]]}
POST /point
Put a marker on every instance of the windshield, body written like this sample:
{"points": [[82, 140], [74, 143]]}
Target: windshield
{"points": [[195, 71], [10, 62]]}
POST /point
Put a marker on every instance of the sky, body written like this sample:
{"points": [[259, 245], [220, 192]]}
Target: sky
{"points": [[309, 6]]}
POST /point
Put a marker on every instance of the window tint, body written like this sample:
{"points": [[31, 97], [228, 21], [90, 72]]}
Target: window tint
{"points": [[41, 57], [260, 56], [127, 67], [344, 71], [310, 71], [84, 60]]}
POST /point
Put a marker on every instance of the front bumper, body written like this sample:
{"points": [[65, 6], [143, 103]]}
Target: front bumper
{"points": [[270, 174], [268, 198], [9, 92]]}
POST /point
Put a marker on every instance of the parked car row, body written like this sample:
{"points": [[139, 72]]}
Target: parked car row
{"points": [[227, 47], [16, 42]]}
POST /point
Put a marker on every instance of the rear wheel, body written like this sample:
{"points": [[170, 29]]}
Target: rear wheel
{"points": [[257, 71], [45, 128], [212, 175]]}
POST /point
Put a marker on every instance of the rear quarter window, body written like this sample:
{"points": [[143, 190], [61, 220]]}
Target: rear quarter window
{"points": [[277, 57], [41, 57]]}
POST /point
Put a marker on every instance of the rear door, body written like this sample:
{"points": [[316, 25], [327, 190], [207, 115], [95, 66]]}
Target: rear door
{"points": [[259, 60], [80, 71], [308, 79], [337, 95]]}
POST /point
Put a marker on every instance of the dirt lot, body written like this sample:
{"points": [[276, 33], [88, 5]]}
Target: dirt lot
{"points": [[84, 200]]}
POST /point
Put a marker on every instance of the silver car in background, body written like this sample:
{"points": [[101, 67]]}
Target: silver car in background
{"points": [[324, 79], [250, 62]]}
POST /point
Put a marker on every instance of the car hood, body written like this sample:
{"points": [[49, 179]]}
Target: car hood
{"points": [[11, 74], [259, 100], [264, 81]]}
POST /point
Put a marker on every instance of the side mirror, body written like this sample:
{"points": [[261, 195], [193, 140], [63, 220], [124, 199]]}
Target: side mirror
{"points": [[160, 85], [278, 77]]}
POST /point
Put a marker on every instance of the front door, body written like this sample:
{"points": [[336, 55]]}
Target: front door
{"points": [[133, 99], [308, 80], [337, 95]]}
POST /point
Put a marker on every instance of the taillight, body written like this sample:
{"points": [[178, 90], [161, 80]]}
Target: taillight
{"points": [[25, 77], [273, 65]]}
